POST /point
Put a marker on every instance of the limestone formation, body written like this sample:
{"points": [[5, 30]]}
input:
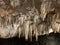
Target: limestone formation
{"points": [[29, 18]]}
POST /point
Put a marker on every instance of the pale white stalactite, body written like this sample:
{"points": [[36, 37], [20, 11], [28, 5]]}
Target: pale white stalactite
{"points": [[20, 28], [30, 32], [35, 24], [21, 20], [20, 31], [26, 27], [36, 35], [27, 30]]}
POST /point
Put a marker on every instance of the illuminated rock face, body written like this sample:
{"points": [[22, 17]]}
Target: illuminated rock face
{"points": [[29, 18]]}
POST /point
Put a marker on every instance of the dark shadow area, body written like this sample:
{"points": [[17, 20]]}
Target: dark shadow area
{"points": [[51, 39]]}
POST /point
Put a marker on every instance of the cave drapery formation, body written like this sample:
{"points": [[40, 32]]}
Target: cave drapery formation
{"points": [[29, 18]]}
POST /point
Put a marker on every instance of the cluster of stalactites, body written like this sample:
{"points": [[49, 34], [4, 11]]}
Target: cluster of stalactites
{"points": [[27, 25], [19, 24], [30, 24]]}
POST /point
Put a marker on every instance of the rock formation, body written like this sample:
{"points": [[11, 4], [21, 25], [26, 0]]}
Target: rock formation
{"points": [[29, 18]]}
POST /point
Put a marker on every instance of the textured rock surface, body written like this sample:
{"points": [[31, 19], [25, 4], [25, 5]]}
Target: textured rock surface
{"points": [[29, 18]]}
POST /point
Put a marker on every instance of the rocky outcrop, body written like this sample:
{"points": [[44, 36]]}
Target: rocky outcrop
{"points": [[29, 18]]}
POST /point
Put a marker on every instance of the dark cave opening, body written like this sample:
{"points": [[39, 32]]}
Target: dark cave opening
{"points": [[51, 39]]}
